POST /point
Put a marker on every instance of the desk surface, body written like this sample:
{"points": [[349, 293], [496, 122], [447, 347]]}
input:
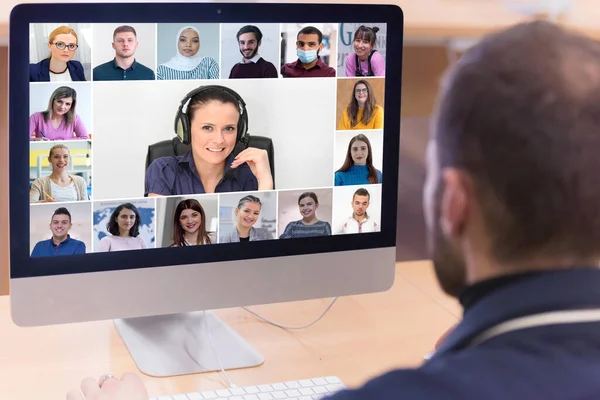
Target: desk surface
{"points": [[361, 336], [424, 19]]}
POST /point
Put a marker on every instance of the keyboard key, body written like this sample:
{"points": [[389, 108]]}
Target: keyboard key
{"points": [[223, 393], [335, 387], [265, 388], [180, 397], [306, 391], [281, 386], [320, 389], [252, 389], [306, 398], [306, 383], [293, 384], [333, 379], [279, 395], [265, 396], [237, 391], [209, 394], [195, 396], [235, 398], [292, 393], [251, 397], [320, 381]]}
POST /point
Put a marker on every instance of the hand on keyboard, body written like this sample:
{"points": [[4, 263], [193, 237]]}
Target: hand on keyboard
{"points": [[129, 387]]}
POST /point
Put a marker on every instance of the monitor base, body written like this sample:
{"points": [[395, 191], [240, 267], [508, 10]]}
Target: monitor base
{"points": [[178, 344]]}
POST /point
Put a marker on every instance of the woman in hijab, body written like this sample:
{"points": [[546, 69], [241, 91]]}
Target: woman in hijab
{"points": [[188, 63]]}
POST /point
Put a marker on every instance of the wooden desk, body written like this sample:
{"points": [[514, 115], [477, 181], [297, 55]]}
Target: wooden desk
{"points": [[360, 337]]}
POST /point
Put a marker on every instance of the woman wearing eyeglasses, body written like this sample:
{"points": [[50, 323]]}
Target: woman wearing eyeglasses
{"points": [[362, 112], [59, 66]]}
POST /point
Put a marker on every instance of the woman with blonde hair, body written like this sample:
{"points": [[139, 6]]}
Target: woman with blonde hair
{"points": [[362, 112], [59, 66], [60, 185], [59, 121]]}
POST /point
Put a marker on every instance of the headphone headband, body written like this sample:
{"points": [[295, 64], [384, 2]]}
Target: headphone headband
{"points": [[183, 123]]}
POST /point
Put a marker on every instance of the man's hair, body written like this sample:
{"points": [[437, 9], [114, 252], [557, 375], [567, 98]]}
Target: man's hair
{"points": [[61, 211], [124, 28], [250, 29], [310, 30], [521, 115], [361, 192]]}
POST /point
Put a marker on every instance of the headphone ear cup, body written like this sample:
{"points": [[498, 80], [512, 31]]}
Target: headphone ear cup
{"points": [[182, 128]]}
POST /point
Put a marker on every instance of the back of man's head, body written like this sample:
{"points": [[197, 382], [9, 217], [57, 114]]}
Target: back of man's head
{"points": [[520, 113]]}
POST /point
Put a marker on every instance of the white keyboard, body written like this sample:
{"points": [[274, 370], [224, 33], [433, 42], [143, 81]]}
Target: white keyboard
{"points": [[306, 389]]}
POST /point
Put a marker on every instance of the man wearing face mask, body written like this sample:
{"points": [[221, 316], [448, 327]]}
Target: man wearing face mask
{"points": [[309, 42]]}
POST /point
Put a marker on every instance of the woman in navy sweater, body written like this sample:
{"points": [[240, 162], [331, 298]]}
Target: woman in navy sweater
{"points": [[59, 66], [358, 167]]}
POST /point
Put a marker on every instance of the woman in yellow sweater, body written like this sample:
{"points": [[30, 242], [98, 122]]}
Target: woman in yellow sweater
{"points": [[363, 111]]}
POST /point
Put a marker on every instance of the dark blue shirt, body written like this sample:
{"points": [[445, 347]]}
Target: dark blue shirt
{"points": [[177, 175], [110, 71], [558, 361], [65, 248]]}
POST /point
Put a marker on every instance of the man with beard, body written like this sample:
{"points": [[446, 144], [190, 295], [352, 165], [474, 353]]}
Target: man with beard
{"points": [[309, 42], [249, 39], [123, 67], [360, 221], [512, 207], [61, 243]]}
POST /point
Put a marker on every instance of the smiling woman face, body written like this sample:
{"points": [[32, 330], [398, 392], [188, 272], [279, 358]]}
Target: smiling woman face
{"points": [[190, 220], [214, 131], [307, 206], [188, 43], [361, 93], [65, 54], [59, 159], [359, 152], [248, 214]]}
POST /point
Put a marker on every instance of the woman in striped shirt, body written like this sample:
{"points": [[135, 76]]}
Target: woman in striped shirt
{"points": [[187, 62]]}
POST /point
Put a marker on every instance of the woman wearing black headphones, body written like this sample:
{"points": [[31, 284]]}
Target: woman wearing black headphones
{"points": [[215, 123]]}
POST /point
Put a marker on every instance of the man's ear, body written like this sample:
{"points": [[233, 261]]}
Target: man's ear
{"points": [[455, 202], [321, 46]]}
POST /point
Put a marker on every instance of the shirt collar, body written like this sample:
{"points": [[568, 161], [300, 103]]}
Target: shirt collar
{"points": [[188, 158], [118, 67], [530, 294], [252, 60], [365, 220]]}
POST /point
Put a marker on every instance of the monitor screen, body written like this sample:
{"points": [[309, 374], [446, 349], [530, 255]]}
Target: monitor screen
{"points": [[171, 138]]}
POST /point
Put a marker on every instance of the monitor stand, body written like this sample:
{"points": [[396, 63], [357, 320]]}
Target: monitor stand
{"points": [[178, 344]]}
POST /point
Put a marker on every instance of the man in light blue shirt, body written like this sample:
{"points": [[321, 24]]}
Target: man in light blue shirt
{"points": [[61, 244]]}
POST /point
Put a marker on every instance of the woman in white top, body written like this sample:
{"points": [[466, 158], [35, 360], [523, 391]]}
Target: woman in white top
{"points": [[124, 229], [59, 186], [187, 62]]}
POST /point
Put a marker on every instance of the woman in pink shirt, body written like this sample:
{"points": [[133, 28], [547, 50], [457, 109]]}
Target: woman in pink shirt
{"points": [[124, 229], [365, 61], [59, 121]]}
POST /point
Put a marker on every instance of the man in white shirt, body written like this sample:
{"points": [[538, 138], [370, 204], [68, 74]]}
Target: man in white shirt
{"points": [[360, 221]]}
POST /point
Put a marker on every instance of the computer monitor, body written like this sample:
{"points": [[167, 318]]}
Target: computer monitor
{"points": [[183, 157]]}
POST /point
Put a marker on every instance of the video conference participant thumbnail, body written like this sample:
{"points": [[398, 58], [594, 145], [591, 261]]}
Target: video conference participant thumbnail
{"points": [[360, 221], [309, 42], [252, 65], [365, 60], [215, 124], [310, 224], [187, 221], [124, 65], [60, 243], [60, 185], [60, 120], [123, 228], [245, 216], [59, 66], [362, 111], [358, 166], [188, 62]]}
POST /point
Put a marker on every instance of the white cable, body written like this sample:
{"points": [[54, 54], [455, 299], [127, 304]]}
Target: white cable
{"points": [[293, 327], [212, 345]]}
